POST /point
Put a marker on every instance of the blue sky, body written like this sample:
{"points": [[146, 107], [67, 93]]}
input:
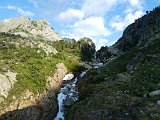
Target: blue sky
{"points": [[101, 20]]}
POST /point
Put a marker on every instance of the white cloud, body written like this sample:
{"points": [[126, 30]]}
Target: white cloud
{"points": [[90, 27], [18, 10], [5, 20], [89, 19], [131, 17], [119, 24], [136, 4], [87, 9], [10, 7], [157, 1], [132, 12], [71, 14], [97, 7], [34, 3], [100, 42]]}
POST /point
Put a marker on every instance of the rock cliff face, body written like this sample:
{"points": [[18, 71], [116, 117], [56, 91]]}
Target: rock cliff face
{"points": [[38, 106], [142, 32], [29, 28], [139, 34]]}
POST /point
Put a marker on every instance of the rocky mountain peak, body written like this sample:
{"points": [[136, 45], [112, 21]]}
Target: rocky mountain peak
{"points": [[23, 18], [29, 28]]}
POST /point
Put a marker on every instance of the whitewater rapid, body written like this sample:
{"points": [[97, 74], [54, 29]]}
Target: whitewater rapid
{"points": [[67, 95]]}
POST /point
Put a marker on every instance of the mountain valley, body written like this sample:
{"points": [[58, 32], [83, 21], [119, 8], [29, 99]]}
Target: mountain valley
{"points": [[34, 59]]}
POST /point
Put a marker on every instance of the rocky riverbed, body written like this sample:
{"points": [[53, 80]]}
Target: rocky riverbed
{"points": [[67, 95]]}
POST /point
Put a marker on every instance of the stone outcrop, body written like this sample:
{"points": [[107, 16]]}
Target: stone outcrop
{"points": [[47, 48], [26, 27], [54, 82], [40, 106], [7, 81]]}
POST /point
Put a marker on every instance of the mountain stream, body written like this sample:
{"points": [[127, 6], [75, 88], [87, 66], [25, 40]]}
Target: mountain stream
{"points": [[67, 95]]}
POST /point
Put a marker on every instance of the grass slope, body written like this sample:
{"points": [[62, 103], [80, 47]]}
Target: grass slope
{"points": [[119, 90]]}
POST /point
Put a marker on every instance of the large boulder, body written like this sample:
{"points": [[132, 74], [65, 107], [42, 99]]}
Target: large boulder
{"points": [[68, 77], [154, 93]]}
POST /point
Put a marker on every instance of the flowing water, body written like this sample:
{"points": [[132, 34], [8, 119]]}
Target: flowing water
{"points": [[68, 94]]}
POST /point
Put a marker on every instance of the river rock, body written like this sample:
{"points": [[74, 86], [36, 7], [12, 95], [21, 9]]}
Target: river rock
{"points": [[154, 93], [68, 102], [68, 77], [86, 65]]}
